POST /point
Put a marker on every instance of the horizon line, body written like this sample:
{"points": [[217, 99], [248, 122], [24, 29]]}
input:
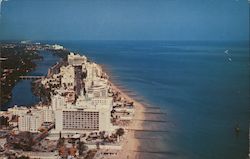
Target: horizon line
{"points": [[210, 40]]}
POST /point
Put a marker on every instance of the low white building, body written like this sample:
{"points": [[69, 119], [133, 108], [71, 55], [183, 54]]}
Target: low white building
{"points": [[57, 47]]}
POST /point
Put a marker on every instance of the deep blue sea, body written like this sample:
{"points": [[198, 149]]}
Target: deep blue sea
{"points": [[202, 86]]}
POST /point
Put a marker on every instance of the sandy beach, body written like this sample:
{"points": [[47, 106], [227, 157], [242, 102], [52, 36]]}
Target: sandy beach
{"points": [[129, 143]]}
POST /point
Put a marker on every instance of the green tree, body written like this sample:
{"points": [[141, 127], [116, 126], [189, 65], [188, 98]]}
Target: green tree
{"points": [[23, 157], [60, 142], [120, 132], [4, 121], [81, 147]]}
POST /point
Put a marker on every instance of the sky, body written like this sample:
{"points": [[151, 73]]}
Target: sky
{"points": [[124, 20]]}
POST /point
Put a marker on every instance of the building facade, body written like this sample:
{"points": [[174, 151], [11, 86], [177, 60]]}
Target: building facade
{"points": [[82, 120], [30, 122]]}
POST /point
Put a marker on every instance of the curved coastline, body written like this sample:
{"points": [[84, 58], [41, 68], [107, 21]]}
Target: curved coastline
{"points": [[130, 145]]}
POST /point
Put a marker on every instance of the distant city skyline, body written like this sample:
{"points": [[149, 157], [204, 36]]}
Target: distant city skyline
{"points": [[124, 20]]}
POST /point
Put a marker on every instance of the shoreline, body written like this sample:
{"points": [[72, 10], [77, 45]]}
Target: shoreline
{"points": [[10, 75], [129, 143], [41, 58]]}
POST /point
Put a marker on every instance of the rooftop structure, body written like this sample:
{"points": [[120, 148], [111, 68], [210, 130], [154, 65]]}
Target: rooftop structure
{"points": [[76, 60], [57, 47], [68, 76]]}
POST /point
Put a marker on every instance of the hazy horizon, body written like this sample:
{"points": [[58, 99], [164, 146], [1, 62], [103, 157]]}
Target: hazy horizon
{"points": [[170, 20]]}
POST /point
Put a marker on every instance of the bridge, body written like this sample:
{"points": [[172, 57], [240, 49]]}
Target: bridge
{"points": [[31, 77]]}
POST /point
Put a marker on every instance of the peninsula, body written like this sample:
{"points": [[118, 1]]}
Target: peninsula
{"points": [[85, 116]]}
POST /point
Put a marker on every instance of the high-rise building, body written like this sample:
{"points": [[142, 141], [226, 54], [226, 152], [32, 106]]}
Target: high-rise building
{"points": [[30, 122], [87, 114], [33, 118], [90, 108]]}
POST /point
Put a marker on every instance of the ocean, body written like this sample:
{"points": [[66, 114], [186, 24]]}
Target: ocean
{"points": [[202, 87]]}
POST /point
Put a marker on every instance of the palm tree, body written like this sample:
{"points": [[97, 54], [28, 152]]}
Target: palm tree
{"points": [[81, 147], [120, 132], [23, 157]]}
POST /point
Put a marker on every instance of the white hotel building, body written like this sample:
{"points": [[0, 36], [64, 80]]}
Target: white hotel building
{"points": [[76, 60], [30, 122], [32, 119], [91, 111], [81, 120]]}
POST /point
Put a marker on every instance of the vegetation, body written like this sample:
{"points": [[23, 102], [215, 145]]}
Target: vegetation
{"points": [[90, 154], [43, 93], [23, 157], [120, 132], [81, 147], [60, 142], [19, 61], [14, 156], [4, 121], [23, 141]]}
